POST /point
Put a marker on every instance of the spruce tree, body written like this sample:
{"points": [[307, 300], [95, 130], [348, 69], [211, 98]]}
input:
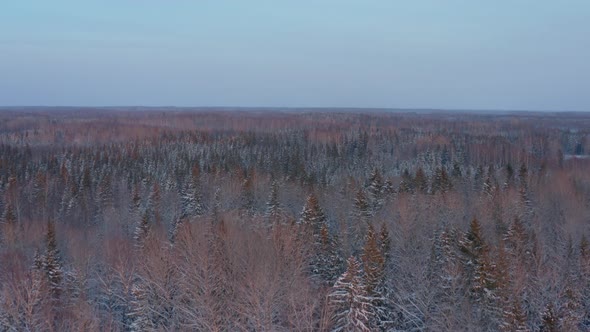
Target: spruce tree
{"points": [[52, 264], [192, 201], [273, 207], [247, 195], [312, 216], [385, 243], [406, 184], [373, 261], [362, 207], [549, 320], [351, 304], [420, 181], [376, 189], [480, 274], [142, 231]]}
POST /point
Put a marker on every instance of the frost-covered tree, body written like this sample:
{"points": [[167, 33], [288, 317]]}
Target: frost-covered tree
{"points": [[52, 264], [247, 195], [549, 320], [362, 209], [191, 201], [385, 243], [351, 304], [140, 313], [273, 206], [312, 217], [373, 261], [406, 184], [480, 278], [325, 259], [421, 181], [142, 231], [376, 189]]}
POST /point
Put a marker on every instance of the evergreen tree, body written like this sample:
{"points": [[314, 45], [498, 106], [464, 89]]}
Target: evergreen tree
{"points": [[375, 283], [135, 204], [216, 209], [9, 214], [385, 243], [514, 320], [373, 261], [52, 264], [362, 208], [312, 216], [192, 201], [441, 182], [273, 207], [140, 309], [247, 196], [325, 261], [142, 231], [376, 189], [457, 174], [352, 308], [420, 181], [549, 321], [480, 274], [406, 183]]}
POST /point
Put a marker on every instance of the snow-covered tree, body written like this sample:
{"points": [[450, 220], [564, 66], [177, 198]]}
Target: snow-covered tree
{"points": [[351, 304], [52, 264], [376, 189], [273, 206], [191, 201]]}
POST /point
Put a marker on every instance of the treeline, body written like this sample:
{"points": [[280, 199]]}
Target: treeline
{"points": [[294, 222]]}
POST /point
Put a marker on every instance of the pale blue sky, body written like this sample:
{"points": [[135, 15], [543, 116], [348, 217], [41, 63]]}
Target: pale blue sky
{"points": [[515, 54]]}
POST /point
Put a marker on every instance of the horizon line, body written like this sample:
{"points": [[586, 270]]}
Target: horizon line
{"points": [[300, 108]]}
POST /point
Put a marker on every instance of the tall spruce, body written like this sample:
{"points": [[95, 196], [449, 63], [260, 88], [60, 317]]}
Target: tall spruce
{"points": [[350, 302]]}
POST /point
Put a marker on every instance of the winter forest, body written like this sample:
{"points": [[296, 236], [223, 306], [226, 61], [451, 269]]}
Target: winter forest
{"points": [[293, 220]]}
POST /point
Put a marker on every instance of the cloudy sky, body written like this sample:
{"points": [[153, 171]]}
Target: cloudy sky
{"points": [[525, 55]]}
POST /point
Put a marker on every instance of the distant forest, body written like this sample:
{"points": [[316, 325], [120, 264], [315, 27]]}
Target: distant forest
{"points": [[245, 220]]}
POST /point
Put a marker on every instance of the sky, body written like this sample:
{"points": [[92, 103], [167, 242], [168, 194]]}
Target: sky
{"points": [[502, 54]]}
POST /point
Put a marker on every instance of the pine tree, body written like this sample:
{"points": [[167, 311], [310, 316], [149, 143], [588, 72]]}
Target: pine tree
{"points": [[373, 261], [388, 188], [385, 243], [570, 313], [273, 207], [192, 201], [312, 216], [481, 278], [142, 231], [375, 285], [9, 214], [420, 181], [514, 320], [52, 264], [441, 181], [406, 183], [509, 175], [352, 308], [135, 200], [325, 260], [457, 174], [376, 190], [140, 310], [247, 196], [177, 225], [549, 321], [216, 209], [361, 206], [153, 204]]}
